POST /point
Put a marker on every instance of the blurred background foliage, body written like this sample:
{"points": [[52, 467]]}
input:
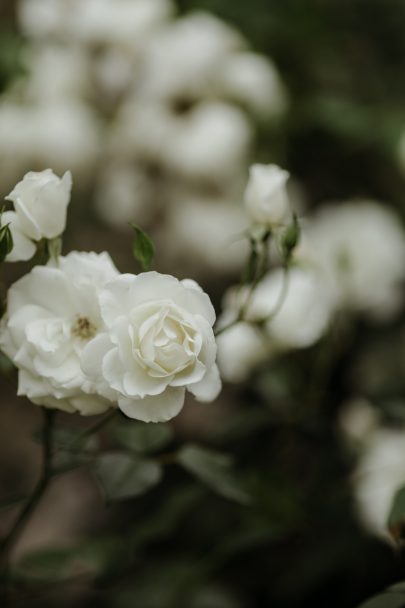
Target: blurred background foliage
{"points": [[298, 543]]}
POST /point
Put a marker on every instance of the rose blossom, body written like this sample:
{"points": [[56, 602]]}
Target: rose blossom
{"points": [[40, 201], [52, 313], [266, 197], [158, 342]]}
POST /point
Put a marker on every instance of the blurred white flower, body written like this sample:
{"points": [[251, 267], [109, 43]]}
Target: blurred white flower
{"points": [[240, 349], [296, 307], [52, 313], [40, 200], [361, 247], [62, 134], [379, 475], [304, 313], [123, 193], [159, 341], [23, 247], [43, 17], [209, 230], [212, 142], [183, 57], [358, 419], [94, 21], [253, 80], [266, 196], [56, 72]]}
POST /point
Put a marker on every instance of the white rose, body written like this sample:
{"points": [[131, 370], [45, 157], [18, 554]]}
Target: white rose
{"points": [[23, 247], [379, 475], [266, 196], [159, 341], [305, 311], [361, 247], [298, 308], [240, 349], [40, 201], [52, 313], [254, 81], [211, 142]]}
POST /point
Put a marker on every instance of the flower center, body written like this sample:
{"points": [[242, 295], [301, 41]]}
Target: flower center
{"points": [[83, 328], [167, 343]]}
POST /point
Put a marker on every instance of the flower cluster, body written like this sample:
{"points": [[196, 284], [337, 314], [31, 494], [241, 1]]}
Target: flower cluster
{"points": [[349, 258], [153, 111], [86, 338]]}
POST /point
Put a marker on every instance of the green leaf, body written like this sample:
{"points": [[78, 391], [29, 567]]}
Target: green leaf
{"points": [[87, 559], [6, 242], [141, 437], [396, 518], [54, 247], [123, 476], [249, 272], [143, 248], [386, 600], [215, 470], [290, 238]]}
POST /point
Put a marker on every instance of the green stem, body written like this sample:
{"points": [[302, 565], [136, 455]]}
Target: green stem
{"points": [[7, 544], [281, 297], [96, 427]]}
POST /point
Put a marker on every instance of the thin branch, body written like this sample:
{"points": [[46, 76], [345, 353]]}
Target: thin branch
{"points": [[11, 538]]}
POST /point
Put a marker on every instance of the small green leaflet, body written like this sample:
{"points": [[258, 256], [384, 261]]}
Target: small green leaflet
{"points": [[396, 518], [6, 241], [123, 476], [215, 470], [142, 248]]}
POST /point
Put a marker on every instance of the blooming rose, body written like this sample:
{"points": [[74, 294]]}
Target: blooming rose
{"points": [[360, 246], [296, 308], [240, 349], [40, 201], [158, 342], [52, 313], [266, 197], [304, 313], [23, 247], [378, 476]]}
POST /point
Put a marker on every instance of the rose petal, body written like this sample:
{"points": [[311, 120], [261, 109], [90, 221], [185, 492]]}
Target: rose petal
{"points": [[209, 387], [158, 408]]}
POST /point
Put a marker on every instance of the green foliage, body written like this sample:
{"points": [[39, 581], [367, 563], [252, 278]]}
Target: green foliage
{"points": [[141, 437], [87, 560], [123, 476], [143, 248], [6, 242], [396, 518], [290, 239], [215, 470], [394, 597]]}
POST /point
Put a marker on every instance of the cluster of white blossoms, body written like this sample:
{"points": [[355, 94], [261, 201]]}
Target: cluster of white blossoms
{"points": [[153, 111], [86, 338], [350, 257]]}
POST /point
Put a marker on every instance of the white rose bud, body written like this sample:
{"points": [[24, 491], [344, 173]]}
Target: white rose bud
{"points": [[266, 196], [40, 201], [159, 342]]}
